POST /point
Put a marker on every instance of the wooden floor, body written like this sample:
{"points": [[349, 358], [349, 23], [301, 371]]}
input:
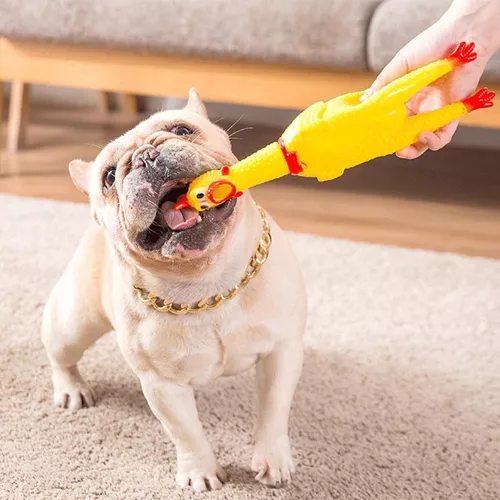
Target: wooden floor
{"points": [[439, 203]]}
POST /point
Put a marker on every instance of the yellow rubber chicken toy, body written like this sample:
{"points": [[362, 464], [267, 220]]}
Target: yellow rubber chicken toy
{"points": [[327, 138]]}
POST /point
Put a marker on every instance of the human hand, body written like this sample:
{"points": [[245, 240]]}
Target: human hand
{"points": [[435, 43]]}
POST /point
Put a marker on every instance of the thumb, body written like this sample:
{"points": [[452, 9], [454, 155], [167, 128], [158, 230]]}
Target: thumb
{"points": [[395, 69]]}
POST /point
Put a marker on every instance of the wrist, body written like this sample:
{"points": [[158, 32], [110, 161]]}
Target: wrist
{"points": [[477, 21]]}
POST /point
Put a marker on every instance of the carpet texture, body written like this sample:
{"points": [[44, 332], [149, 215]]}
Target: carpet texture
{"points": [[399, 399]]}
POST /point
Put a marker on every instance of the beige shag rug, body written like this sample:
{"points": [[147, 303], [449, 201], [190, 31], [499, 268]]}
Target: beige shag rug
{"points": [[400, 396]]}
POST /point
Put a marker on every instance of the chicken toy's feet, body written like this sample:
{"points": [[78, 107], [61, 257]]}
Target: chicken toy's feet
{"points": [[483, 98], [463, 54]]}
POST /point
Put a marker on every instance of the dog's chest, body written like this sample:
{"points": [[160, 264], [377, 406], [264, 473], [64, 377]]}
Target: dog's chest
{"points": [[197, 352]]}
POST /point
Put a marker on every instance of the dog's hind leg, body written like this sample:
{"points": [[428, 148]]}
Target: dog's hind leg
{"points": [[71, 323]]}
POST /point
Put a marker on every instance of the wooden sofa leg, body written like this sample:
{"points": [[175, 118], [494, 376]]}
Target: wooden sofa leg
{"points": [[18, 115], [1, 116], [128, 103], [104, 101]]}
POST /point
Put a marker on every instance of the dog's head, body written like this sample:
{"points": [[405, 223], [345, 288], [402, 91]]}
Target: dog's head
{"points": [[135, 180]]}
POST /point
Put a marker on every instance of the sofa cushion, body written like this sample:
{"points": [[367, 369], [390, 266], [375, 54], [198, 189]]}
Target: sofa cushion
{"points": [[386, 35], [310, 32]]}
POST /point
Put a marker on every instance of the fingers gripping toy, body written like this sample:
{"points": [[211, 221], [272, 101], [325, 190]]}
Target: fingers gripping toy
{"points": [[327, 138]]}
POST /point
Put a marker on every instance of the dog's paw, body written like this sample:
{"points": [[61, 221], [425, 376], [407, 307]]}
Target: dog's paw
{"points": [[71, 391], [200, 472], [273, 462]]}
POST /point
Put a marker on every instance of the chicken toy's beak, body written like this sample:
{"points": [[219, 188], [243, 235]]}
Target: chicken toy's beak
{"points": [[182, 202]]}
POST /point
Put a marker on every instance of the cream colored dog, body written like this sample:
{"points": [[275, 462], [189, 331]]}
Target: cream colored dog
{"points": [[139, 239]]}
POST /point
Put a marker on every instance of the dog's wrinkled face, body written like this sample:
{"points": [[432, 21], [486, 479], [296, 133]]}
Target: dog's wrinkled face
{"points": [[136, 179]]}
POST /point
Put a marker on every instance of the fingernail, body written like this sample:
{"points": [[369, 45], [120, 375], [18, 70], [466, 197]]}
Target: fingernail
{"points": [[366, 95]]}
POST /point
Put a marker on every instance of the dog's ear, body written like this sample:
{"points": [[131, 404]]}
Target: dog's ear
{"points": [[79, 171], [195, 104]]}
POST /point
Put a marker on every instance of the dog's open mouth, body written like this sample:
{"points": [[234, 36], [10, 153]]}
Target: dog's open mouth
{"points": [[170, 221], [176, 220]]}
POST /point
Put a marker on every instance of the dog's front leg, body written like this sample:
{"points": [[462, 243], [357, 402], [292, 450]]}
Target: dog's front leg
{"points": [[174, 405], [277, 377]]}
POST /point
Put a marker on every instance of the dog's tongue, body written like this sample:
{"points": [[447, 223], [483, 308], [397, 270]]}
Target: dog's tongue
{"points": [[179, 219]]}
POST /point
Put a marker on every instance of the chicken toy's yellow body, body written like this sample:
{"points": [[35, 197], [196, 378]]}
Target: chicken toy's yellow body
{"points": [[329, 137]]}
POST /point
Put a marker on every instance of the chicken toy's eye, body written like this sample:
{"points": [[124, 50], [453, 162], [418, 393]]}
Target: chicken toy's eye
{"points": [[220, 191]]}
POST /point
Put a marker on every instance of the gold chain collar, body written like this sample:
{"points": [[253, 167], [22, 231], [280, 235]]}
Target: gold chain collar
{"points": [[257, 260]]}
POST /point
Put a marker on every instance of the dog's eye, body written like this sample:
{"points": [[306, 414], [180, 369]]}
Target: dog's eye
{"points": [[109, 177], [181, 130]]}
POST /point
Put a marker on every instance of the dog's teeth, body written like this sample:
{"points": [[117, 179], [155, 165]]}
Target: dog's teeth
{"points": [[199, 218]]}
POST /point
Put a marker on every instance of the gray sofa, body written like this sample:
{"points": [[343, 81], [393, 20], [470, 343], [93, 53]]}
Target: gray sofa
{"points": [[337, 34]]}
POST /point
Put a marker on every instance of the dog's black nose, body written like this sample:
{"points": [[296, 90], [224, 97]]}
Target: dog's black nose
{"points": [[145, 156], [173, 159]]}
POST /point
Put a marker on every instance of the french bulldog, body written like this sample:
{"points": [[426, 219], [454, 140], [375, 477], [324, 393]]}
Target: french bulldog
{"points": [[137, 238]]}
